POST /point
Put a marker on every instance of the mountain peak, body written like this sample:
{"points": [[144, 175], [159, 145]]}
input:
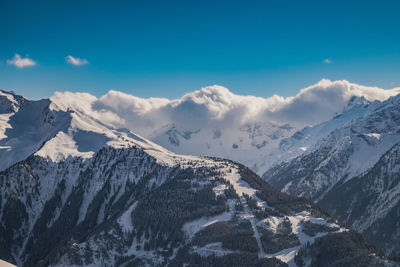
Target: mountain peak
{"points": [[10, 102], [356, 101], [79, 190]]}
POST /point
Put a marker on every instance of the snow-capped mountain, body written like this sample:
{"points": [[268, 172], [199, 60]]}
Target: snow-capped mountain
{"points": [[370, 203], [352, 170], [251, 130], [213, 121], [82, 192], [253, 144]]}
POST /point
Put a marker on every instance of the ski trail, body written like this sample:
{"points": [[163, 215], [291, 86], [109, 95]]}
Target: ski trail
{"points": [[250, 217]]}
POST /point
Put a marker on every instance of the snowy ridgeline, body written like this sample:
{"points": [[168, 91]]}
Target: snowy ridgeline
{"points": [[352, 171], [259, 225], [6, 264], [75, 190], [342, 148], [213, 121], [149, 206]]}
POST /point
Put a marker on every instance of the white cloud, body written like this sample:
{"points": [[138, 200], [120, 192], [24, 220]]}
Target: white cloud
{"points": [[327, 61], [84, 102], [76, 61], [216, 107], [20, 62], [321, 101], [211, 120]]}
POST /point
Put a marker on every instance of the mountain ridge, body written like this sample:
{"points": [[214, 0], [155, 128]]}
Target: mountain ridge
{"points": [[93, 195], [214, 121], [343, 172]]}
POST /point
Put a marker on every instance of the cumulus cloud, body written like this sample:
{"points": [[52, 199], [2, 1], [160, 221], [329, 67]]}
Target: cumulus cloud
{"points": [[76, 61], [321, 101], [210, 107], [327, 61], [216, 122], [84, 103], [215, 107], [20, 62]]}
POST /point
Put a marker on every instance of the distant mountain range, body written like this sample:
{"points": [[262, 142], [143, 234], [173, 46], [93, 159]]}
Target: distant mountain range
{"points": [[78, 186], [216, 122]]}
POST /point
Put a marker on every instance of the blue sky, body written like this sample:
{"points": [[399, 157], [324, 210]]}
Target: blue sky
{"points": [[167, 48]]}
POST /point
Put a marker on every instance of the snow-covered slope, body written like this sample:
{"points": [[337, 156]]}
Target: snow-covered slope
{"points": [[56, 130], [89, 194], [255, 144], [211, 121], [247, 129], [352, 171], [6, 264], [370, 203], [348, 148]]}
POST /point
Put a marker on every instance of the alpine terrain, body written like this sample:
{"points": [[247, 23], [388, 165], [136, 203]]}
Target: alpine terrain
{"points": [[351, 168], [214, 121], [77, 191]]}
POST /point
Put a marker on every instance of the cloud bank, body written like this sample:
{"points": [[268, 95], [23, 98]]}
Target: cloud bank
{"points": [[213, 121], [20, 62], [216, 107], [76, 61]]}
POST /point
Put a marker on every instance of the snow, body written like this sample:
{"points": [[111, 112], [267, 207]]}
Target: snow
{"points": [[65, 127], [9, 102], [271, 223], [287, 255], [212, 249], [125, 221], [220, 189], [162, 157], [192, 227], [248, 215], [61, 147], [143, 254], [256, 141], [374, 135], [287, 186], [366, 155], [27, 130], [4, 125], [213, 121], [206, 129], [240, 186], [66, 131], [350, 145], [6, 264]]}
